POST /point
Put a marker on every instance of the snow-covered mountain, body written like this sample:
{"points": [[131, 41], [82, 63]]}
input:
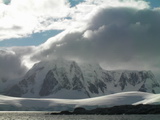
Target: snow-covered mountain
{"points": [[124, 98], [68, 79]]}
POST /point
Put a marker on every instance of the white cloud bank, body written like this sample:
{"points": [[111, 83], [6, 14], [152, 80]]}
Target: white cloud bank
{"points": [[123, 34], [20, 18]]}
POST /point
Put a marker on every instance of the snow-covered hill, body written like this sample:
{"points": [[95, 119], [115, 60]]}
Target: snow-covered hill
{"points": [[124, 98], [67, 79]]}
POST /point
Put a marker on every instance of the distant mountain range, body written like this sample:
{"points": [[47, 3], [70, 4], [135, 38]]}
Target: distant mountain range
{"points": [[69, 80]]}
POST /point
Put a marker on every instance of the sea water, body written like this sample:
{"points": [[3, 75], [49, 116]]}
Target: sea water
{"points": [[5, 115]]}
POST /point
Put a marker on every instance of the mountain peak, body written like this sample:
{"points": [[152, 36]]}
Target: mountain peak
{"points": [[60, 78]]}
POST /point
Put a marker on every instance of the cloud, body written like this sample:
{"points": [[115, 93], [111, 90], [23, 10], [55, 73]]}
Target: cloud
{"points": [[11, 66], [13, 63], [124, 35], [117, 37], [30, 16]]}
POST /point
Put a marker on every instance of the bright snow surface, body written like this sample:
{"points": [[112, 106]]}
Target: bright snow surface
{"points": [[124, 98]]}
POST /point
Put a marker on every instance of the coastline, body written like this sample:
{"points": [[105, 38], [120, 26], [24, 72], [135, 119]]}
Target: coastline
{"points": [[115, 110]]}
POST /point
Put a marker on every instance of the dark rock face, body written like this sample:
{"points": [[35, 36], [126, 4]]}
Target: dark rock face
{"points": [[123, 81], [143, 88], [22, 87], [77, 84], [48, 85], [93, 88], [101, 85], [15, 91], [107, 77], [134, 79]]}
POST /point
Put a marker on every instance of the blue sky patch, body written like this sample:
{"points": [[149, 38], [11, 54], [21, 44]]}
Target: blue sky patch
{"points": [[154, 3], [34, 39], [75, 2]]}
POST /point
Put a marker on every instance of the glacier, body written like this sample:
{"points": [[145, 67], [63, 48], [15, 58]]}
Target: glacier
{"points": [[8, 103]]}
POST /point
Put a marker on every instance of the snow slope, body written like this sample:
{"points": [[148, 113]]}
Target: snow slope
{"points": [[124, 98]]}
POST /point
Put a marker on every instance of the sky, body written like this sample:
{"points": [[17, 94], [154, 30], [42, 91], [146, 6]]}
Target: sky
{"points": [[118, 34], [153, 3]]}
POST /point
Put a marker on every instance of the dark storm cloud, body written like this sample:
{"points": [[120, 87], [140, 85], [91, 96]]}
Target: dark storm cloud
{"points": [[114, 35], [127, 33], [10, 66], [22, 51]]}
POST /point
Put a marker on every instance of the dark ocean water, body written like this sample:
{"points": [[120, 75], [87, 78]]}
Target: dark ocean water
{"points": [[5, 115]]}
